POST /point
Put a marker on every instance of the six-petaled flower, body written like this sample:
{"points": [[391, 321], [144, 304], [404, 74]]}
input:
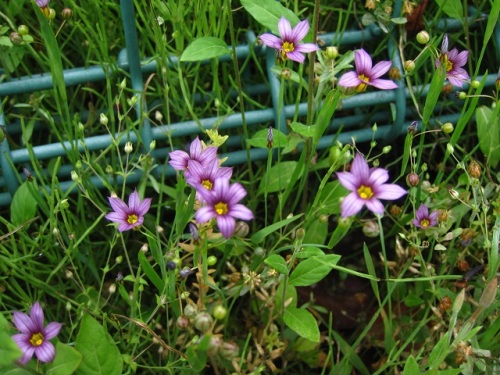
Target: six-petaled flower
{"points": [[34, 337], [367, 186], [366, 75], [452, 62], [423, 219], [221, 203], [131, 215], [289, 46]]}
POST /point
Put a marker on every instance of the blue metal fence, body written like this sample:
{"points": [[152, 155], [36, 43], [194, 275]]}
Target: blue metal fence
{"points": [[128, 60]]}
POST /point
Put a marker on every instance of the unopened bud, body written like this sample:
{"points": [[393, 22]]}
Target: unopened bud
{"points": [[144, 248], [182, 322], [394, 73], [447, 128], [454, 194], [119, 259], [474, 169], [67, 13], [51, 15], [112, 288], [462, 95], [300, 233], [123, 83], [128, 147], [203, 321], [331, 52], [444, 44], [74, 176], [212, 260], [371, 229], [412, 179], [132, 101], [219, 312], [450, 148], [23, 30], [103, 119], [413, 127], [475, 84], [16, 38], [229, 350], [423, 37], [409, 65], [190, 310], [158, 116], [241, 229], [285, 74], [386, 149], [68, 306]]}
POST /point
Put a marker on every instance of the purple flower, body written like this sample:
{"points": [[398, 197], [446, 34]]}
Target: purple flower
{"points": [[422, 218], [366, 75], [179, 159], [42, 3], [34, 338], [130, 216], [222, 204], [452, 62], [203, 177], [289, 45], [367, 186]]}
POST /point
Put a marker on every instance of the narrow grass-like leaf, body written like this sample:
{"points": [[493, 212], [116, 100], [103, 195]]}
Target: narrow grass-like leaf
{"points": [[433, 94], [371, 271], [205, 48], [326, 113], [263, 233], [302, 322], [440, 351], [151, 273]]}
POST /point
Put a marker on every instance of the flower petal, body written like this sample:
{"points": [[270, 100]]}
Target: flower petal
{"points": [[226, 224], [23, 322], [351, 205], [45, 352], [195, 148], [178, 160], [22, 340], [363, 62], [27, 355], [306, 48], [383, 84], [295, 56], [359, 167], [116, 217], [36, 315], [144, 207], [379, 69], [133, 201], [349, 180], [52, 330], [241, 212], [235, 193], [284, 29], [204, 214], [299, 32], [461, 59], [271, 40], [123, 227], [390, 192], [377, 177], [375, 206], [349, 79], [118, 205]]}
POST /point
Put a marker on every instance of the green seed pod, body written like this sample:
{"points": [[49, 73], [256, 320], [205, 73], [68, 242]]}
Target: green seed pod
{"points": [[219, 312], [423, 37], [203, 321], [23, 30]]}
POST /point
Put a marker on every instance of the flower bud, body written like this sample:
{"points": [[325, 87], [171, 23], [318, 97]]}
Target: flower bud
{"points": [[474, 169], [68, 306], [332, 52], [185, 272], [475, 84], [128, 147], [123, 84], [112, 288], [132, 101], [214, 345], [119, 259], [152, 145], [423, 37], [241, 229], [51, 15], [190, 310], [259, 252], [211, 260], [158, 116], [103, 119], [23, 30], [16, 38], [386, 149], [219, 312], [454, 194], [300, 233], [285, 74], [413, 127], [450, 148], [447, 128], [182, 322], [409, 66], [394, 73], [412, 179], [229, 350], [203, 321], [335, 155], [74, 176], [171, 265], [67, 13], [371, 229], [462, 95]]}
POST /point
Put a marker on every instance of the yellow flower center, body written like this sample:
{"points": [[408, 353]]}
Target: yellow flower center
{"points": [[221, 208], [365, 192], [448, 65], [424, 223], [362, 86], [287, 47], [132, 219], [36, 339], [207, 184]]}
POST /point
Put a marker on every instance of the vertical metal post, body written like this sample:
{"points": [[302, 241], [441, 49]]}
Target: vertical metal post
{"points": [[8, 173]]}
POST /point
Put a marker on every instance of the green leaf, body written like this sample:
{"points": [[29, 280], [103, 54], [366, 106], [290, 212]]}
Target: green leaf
{"points": [[316, 232], [205, 48], [399, 20], [263, 233], [303, 130], [411, 366], [371, 271], [268, 13], [302, 322], [488, 132], [23, 206], [100, 353], [452, 8], [66, 361], [312, 270], [9, 351], [282, 296], [151, 273], [309, 251], [329, 200], [440, 351], [412, 300], [259, 139], [197, 354], [340, 231], [326, 113], [433, 94], [278, 177], [278, 263]]}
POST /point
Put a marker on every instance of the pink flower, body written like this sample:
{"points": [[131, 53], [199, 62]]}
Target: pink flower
{"points": [[179, 160], [367, 186], [222, 204], [34, 338], [422, 218], [289, 45], [452, 62], [366, 75], [130, 216], [42, 3]]}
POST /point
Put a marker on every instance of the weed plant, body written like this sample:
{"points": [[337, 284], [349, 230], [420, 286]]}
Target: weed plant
{"points": [[295, 187]]}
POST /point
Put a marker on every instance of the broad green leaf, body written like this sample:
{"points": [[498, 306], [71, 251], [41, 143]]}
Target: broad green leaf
{"points": [[282, 296], [326, 113], [66, 361], [411, 366], [100, 353], [440, 351], [23, 206], [309, 251], [412, 300], [303, 130], [329, 200], [259, 139], [263, 233], [278, 177], [488, 132], [9, 351], [340, 231], [197, 354], [452, 8], [268, 13], [302, 322], [278, 263], [316, 232], [312, 270], [205, 48]]}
